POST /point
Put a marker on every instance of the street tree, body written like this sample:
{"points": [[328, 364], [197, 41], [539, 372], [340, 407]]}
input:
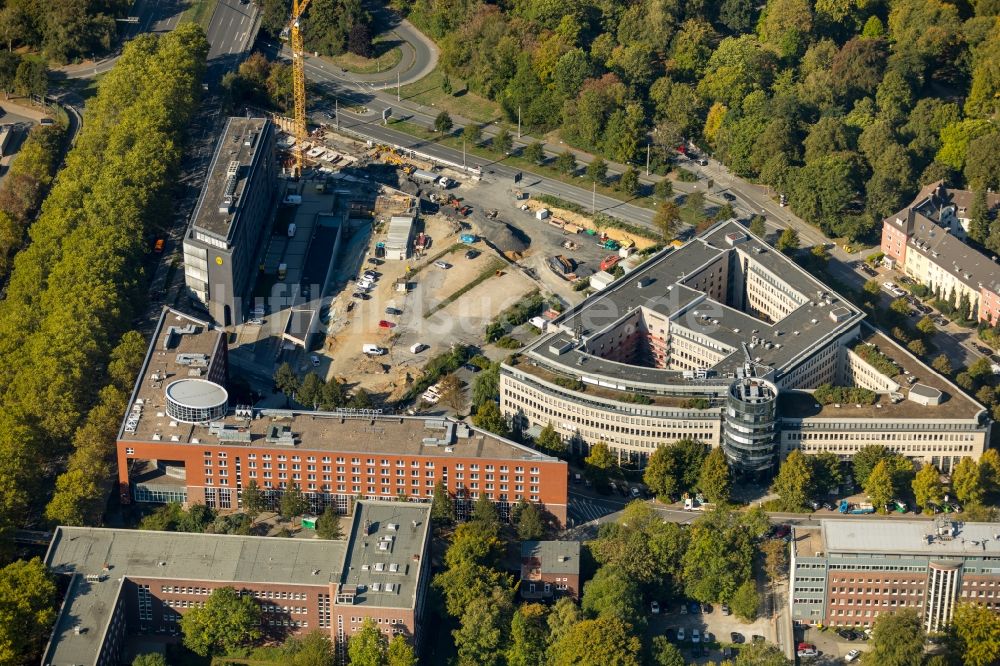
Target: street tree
{"points": [[604, 641], [872, 287], [443, 122], [227, 621], [328, 525], [641, 545], [927, 488], [719, 555], [788, 241], [900, 306], [482, 633], [826, 472], [664, 188], [975, 634], [629, 181], [926, 326], [715, 483], [757, 226], [660, 475], [878, 486], [667, 219], [566, 162], [473, 133], [897, 639], [599, 464], [293, 503], [534, 152], [503, 141], [367, 646], [451, 392], [597, 170], [794, 481], [310, 392]]}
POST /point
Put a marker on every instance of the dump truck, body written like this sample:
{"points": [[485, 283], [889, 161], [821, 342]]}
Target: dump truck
{"points": [[609, 262]]}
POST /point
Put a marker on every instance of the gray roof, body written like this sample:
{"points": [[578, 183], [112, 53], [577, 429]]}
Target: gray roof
{"points": [[385, 553], [196, 393], [659, 285], [910, 537], [398, 234], [120, 554], [548, 554], [231, 148]]}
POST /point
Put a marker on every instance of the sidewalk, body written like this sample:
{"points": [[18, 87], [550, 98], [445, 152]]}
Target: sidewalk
{"points": [[34, 112]]}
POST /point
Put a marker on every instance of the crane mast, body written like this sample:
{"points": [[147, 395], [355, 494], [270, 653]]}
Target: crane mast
{"points": [[299, 83]]}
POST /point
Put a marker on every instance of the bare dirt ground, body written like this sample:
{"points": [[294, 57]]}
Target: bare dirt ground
{"points": [[461, 321]]}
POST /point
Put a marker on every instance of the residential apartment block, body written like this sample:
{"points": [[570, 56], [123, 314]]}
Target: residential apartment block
{"points": [[848, 572], [182, 441], [227, 236], [124, 582], [925, 241], [723, 341], [550, 569]]}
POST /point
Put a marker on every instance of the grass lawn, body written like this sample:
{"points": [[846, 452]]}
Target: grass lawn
{"points": [[453, 141], [387, 56], [200, 12], [461, 102]]}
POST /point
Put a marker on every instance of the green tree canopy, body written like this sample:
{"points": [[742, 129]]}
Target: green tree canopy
{"points": [[897, 639], [227, 621], [604, 641]]}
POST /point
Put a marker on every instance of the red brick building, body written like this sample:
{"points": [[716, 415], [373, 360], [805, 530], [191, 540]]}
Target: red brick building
{"points": [[181, 441], [137, 582], [550, 569]]}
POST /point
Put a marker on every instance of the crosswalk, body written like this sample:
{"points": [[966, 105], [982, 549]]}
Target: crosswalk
{"points": [[584, 509]]}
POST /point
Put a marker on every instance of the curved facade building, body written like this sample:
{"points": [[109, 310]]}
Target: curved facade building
{"points": [[196, 401], [723, 340], [749, 425]]}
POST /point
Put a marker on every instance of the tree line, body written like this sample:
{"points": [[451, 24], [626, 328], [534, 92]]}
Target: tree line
{"points": [[847, 107], [25, 185], [74, 289], [61, 31], [22, 75]]}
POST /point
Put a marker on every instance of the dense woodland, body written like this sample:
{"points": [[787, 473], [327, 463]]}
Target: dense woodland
{"points": [[61, 30], [331, 27], [72, 290], [846, 106]]}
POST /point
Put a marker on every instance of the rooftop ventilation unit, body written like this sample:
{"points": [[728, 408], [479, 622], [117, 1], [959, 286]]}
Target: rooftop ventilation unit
{"points": [[233, 169]]}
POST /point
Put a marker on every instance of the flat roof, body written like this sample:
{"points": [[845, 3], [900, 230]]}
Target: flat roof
{"points": [[196, 393], [807, 541], [181, 347], [956, 404], [385, 553], [548, 554], [119, 554], [910, 537], [238, 146], [659, 285]]}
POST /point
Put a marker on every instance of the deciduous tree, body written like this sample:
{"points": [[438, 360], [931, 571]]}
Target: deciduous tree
{"points": [[227, 621], [878, 486], [599, 463], [367, 646], [968, 481], [443, 122], [605, 641], [897, 639], [715, 483], [927, 487], [794, 481]]}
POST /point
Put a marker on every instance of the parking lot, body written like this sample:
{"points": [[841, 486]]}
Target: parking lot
{"points": [[721, 629], [830, 646]]}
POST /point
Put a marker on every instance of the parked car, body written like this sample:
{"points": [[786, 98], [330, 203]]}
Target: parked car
{"points": [[729, 196], [314, 360], [654, 607], [695, 636], [472, 254], [756, 638], [852, 656], [684, 608], [472, 368], [827, 506], [256, 321], [360, 295], [726, 610], [847, 634], [806, 650], [635, 493], [737, 637], [694, 607], [680, 634], [442, 264], [706, 608], [393, 311], [709, 637], [386, 324], [814, 504]]}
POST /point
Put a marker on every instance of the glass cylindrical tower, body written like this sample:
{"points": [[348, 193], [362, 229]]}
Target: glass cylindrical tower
{"points": [[749, 435]]}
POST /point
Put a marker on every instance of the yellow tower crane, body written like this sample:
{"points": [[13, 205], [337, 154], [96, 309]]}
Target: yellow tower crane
{"points": [[299, 83]]}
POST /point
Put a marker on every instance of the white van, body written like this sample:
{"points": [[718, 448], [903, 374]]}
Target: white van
{"points": [[374, 350], [291, 230], [417, 348]]}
